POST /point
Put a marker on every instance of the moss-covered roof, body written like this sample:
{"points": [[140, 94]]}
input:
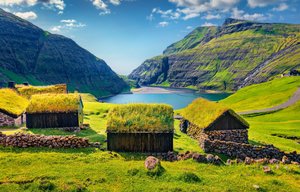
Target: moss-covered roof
{"points": [[132, 118], [54, 103], [12, 103], [203, 113], [28, 91]]}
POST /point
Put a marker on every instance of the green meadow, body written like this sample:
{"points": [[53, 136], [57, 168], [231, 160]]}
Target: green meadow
{"points": [[43, 169]]}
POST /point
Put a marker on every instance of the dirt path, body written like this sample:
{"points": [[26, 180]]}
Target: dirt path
{"points": [[291, 101]]}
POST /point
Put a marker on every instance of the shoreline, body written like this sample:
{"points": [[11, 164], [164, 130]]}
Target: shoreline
{"points": [[161, 90]]}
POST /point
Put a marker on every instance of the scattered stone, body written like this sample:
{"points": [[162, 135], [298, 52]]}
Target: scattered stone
{"points": [[210, 158], [248, 161], [267, 169], [199, 158], [239, 161], [274, 161], [151, 163], [218, 160], [229, 162], [286, 160]]}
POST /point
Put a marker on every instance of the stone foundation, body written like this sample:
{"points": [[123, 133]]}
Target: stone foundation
{"points": [[235, 135], [238, 136], [29, 140], [8, 121]]}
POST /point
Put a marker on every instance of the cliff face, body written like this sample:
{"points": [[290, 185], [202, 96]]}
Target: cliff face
{"points": [[27, 53], [228, 57]]}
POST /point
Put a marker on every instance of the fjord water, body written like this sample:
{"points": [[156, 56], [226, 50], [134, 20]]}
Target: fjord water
{"points": [[177, 100]]}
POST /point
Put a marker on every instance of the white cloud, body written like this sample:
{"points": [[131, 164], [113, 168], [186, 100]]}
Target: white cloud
{"points": [[68, 21], [67, 24], [168, 14], [211, 16], [206, 24], [189, 27], [99, 4], [193, 8], [240, 14], [115, 2], [18, 2], [30, 15], [281, 7], [163, 24], [57, 4], [260, 3]]}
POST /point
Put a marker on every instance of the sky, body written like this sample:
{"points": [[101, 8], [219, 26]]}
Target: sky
{"points": [[125, 33]]}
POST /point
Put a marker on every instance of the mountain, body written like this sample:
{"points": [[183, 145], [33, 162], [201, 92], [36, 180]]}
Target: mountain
{"points": [[225, 58], [30, 54]]}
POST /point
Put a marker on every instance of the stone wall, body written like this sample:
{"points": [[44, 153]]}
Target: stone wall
{"points": [[29, 140], [243, 150], [239, 136], [6, 121]]}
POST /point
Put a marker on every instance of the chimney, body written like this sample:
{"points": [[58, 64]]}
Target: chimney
{"points": [[11, 85]]}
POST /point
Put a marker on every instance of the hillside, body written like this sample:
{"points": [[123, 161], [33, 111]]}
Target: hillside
{"points": [[263, 95], [225, 58], [31, 54]]}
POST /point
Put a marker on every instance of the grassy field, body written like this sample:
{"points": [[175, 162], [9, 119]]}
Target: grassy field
{"points": [[280, 128], [41, 169], [264, 95]]}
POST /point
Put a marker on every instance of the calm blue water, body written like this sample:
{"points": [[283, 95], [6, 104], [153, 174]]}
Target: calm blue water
{"points": [[177, 100]]}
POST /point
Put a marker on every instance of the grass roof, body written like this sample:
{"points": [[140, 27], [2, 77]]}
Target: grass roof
{"points": [[28, 91], [12, 103], [52, 103], [203, 113], [140, 118]]}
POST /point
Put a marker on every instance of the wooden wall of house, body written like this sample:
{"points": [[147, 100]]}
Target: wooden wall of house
{"points": [[140, 142], [52, 120], [226, 122]]}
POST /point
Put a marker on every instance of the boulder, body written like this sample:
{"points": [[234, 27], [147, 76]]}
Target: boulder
{"points": [[267, 169], [151, 163], [210, 158]]}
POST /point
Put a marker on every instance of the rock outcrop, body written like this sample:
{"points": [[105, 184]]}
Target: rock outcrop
{"points": [[31, 54], [228, 57]]}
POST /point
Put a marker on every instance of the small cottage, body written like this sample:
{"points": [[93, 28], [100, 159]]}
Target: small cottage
{"points": [[55, 111], [140, 128], [29, 90], [204, 118], [12, 108]]}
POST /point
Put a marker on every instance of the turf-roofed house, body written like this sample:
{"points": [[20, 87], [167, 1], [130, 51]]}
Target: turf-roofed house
{"points": [[55, 111], [29, 90], [12, 108], [204, 119], [140, 128]]}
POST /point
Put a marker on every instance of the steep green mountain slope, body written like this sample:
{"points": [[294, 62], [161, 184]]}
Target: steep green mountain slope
{"points": [[234, 55], [27, 53]]}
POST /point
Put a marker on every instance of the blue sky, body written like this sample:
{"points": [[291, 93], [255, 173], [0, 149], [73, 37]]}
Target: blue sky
{"points": [[126, 32]]}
